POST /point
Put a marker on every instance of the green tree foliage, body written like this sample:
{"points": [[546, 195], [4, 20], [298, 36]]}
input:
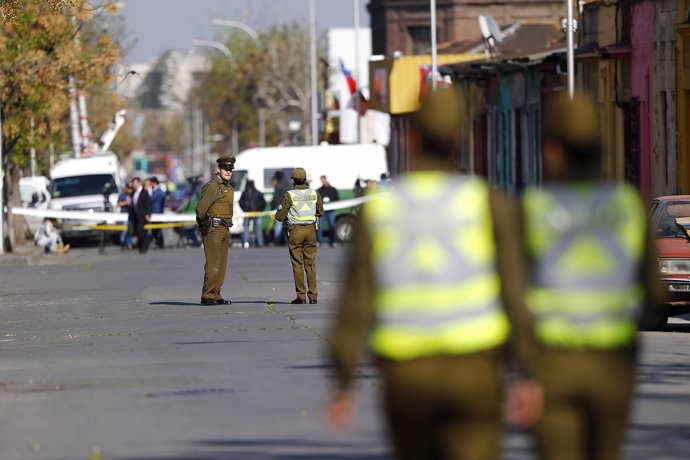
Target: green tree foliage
{"points": [[272, 73], [41, 44]]}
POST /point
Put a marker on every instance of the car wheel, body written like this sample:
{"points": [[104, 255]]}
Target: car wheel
{"points": [[344, 228], [654, 319]]}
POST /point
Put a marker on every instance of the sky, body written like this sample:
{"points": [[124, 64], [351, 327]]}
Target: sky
{"points": [[154, 26]]}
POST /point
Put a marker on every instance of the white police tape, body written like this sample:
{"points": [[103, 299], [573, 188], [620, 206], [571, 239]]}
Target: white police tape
{"points": [[114, 217]]}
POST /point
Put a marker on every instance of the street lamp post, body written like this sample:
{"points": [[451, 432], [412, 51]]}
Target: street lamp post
{"points": [[228, 54], [255, 36], [434, 60], [570, 31], [2, 188], [358, 100], [312, 42]]}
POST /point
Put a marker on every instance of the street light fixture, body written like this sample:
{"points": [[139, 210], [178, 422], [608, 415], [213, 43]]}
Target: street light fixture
{"points": [[237, 25], [216, 45]]}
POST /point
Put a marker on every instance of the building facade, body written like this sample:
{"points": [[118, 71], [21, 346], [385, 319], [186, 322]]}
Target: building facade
{"points": [[403, 25]]}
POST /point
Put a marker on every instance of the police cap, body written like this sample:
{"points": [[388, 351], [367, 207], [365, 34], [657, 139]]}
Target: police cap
{"points": [[439, 115], [299, 173], [227, 160], [574, 122]]}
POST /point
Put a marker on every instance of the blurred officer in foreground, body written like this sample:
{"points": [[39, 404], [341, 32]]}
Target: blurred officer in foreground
{"points": [[591, 271], [426, 285], [214, 216], [300, 208]]}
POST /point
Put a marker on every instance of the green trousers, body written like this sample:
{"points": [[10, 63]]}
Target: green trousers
{"points": [[445, 407], [302, 246], [586, 403], [216, 251]]}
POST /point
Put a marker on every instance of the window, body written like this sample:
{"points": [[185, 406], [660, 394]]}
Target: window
{"points": [[270, 172], [82, 185], [420, 38]]}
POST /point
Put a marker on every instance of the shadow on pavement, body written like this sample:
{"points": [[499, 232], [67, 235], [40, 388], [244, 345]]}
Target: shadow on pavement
{"points": [[669, 374], [211, 342], [234, 302], [261, 449], [174, 303], [667, 441]]}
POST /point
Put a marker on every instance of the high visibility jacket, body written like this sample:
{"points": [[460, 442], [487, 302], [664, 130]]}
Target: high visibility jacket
{"points": [[303, 209], [585, 243], [433, 254]]}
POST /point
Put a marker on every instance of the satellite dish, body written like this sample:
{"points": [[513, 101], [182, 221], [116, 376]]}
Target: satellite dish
{"points": [[491, 32], [489, 28]]}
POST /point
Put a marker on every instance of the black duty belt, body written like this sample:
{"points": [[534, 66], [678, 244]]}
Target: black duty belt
{"points": [[218, 222]]}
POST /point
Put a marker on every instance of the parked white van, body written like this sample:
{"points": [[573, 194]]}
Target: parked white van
{"points": [[81, 184], [33, 191], [341, 164]]}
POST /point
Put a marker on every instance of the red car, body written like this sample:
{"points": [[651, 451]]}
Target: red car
{"points": [[670, 216]]}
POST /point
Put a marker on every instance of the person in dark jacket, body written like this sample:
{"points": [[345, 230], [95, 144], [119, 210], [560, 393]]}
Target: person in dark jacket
{"points": [[329, 195], [280, 186], [157, 206], [252, 200], [124, 202], [140, 214]]}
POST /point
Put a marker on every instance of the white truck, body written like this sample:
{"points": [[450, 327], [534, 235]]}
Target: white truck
{"points": [[341, 164], [82, 184]]}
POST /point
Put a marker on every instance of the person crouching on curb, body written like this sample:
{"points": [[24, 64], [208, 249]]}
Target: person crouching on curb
{"points": [[300, 208]]}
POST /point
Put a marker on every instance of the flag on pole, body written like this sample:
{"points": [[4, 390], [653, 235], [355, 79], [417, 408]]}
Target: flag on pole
{"points": [[351, 84]]}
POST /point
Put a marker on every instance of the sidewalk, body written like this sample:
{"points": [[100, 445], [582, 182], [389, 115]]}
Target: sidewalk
{"points": [[30, 255]]}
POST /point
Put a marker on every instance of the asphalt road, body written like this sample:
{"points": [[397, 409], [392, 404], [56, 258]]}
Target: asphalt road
{"points": [[112, 354]]}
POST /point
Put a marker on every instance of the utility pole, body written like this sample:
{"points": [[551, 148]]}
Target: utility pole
{"points": [[434, 60], [570, 32], [32, 153], [262, 127], [312, 42], [2, 193], [74, 118], [358, 100]]}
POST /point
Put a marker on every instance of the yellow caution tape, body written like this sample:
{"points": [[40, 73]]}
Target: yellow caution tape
{"points": [[115, 227]]}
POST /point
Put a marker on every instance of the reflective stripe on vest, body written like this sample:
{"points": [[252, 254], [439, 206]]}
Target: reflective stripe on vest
{"points": [[433, 255], [586, 244], [303, 209]]}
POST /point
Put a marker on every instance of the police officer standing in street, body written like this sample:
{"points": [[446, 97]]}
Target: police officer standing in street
{"points": [[300, 208], [214, 216], [427, 286], [592, 272]]}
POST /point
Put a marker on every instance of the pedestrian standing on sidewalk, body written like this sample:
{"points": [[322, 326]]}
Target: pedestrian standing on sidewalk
{"points": [[252, 200], [300, 209], [591, 272], [329, 195], [214, 216]]}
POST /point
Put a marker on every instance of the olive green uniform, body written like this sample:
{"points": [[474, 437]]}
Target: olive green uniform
{"points": [[216, 201], [587, 392], [302, 246], [444, 406]]}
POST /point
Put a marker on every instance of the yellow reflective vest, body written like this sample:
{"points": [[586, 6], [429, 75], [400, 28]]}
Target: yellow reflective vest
{"points": [[303, 209], [585, 243], [433, 254]]}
